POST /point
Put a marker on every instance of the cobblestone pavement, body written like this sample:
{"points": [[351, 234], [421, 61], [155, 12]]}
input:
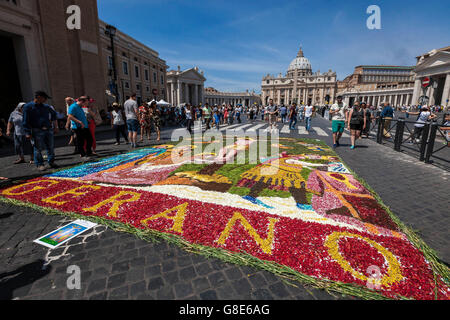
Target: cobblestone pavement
{"points": [[119, 266]]}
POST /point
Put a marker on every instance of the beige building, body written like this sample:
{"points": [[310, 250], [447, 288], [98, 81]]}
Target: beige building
{"points": [[214, 97], [376, 84], [436, 66], [139, 69], [39, 52], [300, 85], [185, 86]]}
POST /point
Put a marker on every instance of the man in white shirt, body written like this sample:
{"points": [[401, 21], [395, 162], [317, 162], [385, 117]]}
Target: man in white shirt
{"points": [[131, 113], [339, 112], [308, 113]]}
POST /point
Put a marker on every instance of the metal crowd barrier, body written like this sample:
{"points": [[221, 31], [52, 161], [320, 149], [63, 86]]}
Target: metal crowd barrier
{"points": [[426, 147]]}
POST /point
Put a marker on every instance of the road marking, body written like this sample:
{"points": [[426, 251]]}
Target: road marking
{"points": [[257, 127], [302, 131], [286, 129], [321, 132], [242, 127]]}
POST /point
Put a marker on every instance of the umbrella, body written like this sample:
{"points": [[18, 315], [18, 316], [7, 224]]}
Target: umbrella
{"points": [[163, 103]]}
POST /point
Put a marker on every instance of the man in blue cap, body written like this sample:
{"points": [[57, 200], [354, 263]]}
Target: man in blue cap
{"points": [[37, 123]]}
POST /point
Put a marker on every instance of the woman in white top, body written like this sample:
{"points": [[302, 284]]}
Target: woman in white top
{"points": [[188, 111], [118, 123], [424, 116]]}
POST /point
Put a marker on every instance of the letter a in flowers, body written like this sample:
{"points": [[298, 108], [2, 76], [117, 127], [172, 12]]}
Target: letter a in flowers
{"points": [[265, 244], [178, 218]]}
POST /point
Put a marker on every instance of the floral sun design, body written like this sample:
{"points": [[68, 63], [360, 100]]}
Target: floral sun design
{"points": [[300, 210]]}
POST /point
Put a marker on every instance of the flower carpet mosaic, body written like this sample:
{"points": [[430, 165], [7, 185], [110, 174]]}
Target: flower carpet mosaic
{"points": [[299, 213]]}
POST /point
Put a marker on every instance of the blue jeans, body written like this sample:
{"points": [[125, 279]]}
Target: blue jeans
{"points": [[293, 123], [308, 123], [43, 140]]}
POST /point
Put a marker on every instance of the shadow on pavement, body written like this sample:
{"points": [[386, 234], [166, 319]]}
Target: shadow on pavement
{"points": [[6, 215], [21, 277]]}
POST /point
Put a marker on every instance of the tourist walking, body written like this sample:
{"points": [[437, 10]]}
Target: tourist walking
{"points": [[155, 119], [144, 121], [207, 115], [368, 114], [217, 119], [283, 111], [273, 115], [37, 123], [293, 116], [338, 112], [356, 123], [189, 116], [80, 123], [21, 144], [131, 114], [118, 123], [425, 115], [308, 114], [91, 115], [387, 114], [301, 113]]}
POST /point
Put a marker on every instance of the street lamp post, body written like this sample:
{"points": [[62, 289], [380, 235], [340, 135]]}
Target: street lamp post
{"points": [[111, 32]]}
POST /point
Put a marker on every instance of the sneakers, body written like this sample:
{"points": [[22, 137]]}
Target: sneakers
{"points": [[335, 146], [352, 147], [42, 168], [338, 144]]}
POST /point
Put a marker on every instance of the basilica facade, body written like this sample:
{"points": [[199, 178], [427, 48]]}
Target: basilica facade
{"points": [[300, 85]]}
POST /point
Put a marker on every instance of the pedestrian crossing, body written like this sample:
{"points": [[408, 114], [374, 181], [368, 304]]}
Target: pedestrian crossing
{"points": [[265, 128]]}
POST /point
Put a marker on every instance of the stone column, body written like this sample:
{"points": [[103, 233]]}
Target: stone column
{"points": [[178, 93], [186, 93], [417, 91], [446, 92], [196, 100]]}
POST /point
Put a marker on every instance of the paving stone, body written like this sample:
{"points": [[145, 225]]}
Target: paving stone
{"points": [[241, 286], [217, 279], [165, 293], [279, 290], [262, 294], [153, 271], [99, 296], [155, 283], [233, 273], [188, 273], [138, 289], [208, 295], [257, 280], [168, 266], [96, 285], [201, 284], [172, 277], [182, 290], [135, 275], [116, 280], [119, 293], [120, 267]]}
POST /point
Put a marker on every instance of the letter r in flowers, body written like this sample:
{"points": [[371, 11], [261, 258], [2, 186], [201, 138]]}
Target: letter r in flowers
{"points": [[11, 191], [115, 202], [265, 244], [73, 192]]}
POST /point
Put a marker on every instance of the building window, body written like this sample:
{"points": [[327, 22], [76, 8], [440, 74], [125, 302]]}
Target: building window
{"points": [[162, 80], [154, 78], [136, 71], [148, 89], [125, 68], [138, 87], [146, 75], [127, 85], [110, 63]]}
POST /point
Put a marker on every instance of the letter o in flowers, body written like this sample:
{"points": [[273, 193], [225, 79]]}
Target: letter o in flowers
{"points": [[394, 273]]}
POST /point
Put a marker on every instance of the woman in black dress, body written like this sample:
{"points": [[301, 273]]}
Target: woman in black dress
{"points": [[356, 123]]}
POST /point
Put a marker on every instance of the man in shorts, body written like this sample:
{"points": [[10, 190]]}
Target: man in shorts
{"points": [[131, 113], [339, 112]]}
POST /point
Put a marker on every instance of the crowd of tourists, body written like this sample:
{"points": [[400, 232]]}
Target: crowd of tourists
{"points": [[33, 125]]}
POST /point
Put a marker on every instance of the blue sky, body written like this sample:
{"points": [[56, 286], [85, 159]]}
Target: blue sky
{"points": [[236, 42]]}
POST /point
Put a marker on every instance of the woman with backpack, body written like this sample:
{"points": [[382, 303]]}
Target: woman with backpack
{"points": [[356, 123]]}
